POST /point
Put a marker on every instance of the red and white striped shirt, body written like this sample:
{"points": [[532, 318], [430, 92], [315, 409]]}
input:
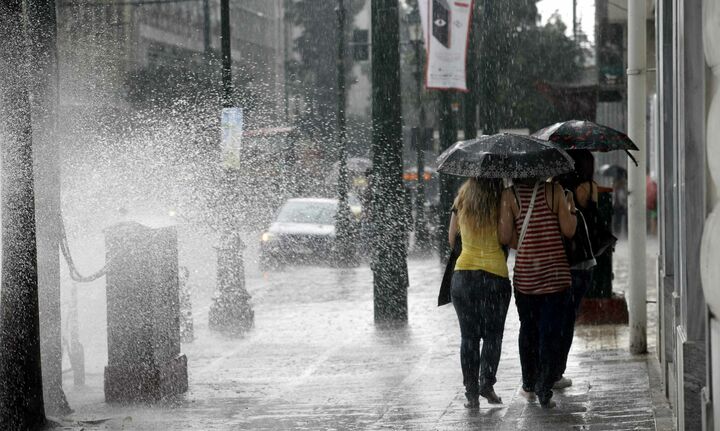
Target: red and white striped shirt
{"points": [[541, 264]]}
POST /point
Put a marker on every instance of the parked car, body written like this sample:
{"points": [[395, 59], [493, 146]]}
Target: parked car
{"points": [[303, 232]]}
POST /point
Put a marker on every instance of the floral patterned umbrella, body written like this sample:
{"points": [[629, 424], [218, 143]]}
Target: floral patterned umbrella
{"points": [[505, 155], [586, 135]]}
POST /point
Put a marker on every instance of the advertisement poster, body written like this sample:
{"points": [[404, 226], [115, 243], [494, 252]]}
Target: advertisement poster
{"points": [[446, 27]]}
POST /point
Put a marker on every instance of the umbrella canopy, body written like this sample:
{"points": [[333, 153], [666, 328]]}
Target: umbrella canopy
{"points": [[505, 155], [586, 135]]}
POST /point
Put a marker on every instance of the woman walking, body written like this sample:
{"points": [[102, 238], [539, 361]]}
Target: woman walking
{"points": [[585, 192], [480, 286], [539, 213]]}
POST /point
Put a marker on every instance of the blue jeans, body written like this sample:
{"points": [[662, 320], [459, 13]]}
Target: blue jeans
{"points": [[541, 325], [481, 301], [581, 282]]}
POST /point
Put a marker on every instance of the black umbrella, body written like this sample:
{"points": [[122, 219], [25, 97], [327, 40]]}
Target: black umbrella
{"points": [[505, 155], [586, 135]]}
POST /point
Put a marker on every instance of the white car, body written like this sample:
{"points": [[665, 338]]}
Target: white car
{"points": [[303, 232]]}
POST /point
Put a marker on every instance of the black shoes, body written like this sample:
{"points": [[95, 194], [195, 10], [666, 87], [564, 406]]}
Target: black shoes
{"points": [[490, 395], [473, 401]]}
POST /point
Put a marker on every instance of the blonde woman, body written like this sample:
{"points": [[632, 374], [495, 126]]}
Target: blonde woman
{"points": [[480, 286]]}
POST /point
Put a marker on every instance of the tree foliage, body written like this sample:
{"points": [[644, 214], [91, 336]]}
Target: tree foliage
{"points": [[312, 68], [516, 56]]}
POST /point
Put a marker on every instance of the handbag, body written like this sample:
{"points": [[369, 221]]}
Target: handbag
{"points": [[579, 248], [445, 295], [601, 237]]}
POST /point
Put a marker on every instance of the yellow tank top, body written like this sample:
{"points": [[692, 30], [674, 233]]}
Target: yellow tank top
{"points": [[481, 250]]}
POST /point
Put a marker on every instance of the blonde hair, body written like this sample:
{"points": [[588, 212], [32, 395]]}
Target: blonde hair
{"points": [[478, 202]]}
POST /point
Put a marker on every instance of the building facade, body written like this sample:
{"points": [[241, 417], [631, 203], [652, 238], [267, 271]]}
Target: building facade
{"points": [[108, 50], [688, 126]]}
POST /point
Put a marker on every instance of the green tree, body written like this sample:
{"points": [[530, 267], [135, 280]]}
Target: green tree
{"points": [[516, 55]]}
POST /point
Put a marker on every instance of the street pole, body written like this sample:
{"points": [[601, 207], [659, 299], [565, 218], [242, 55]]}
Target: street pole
{"points": [[470, 97], [448, 136], [636, 76], [491, 45], [574, 18], [390, 276], [206, 28], [343, 236], [226, 53], [42, 34], [230, 311], [21, 386], [421, 229]]}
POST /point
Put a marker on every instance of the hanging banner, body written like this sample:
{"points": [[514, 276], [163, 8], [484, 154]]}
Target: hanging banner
{"points": [[446, 27], [231, 125]]}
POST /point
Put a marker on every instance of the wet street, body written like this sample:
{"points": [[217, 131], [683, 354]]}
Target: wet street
{"points": [[315, 360]]}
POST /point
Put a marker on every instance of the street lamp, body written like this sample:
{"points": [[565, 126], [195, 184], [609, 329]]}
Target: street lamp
{"points": [[415, 33], [230, 310]]}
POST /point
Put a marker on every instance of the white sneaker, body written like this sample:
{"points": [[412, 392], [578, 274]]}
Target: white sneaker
{"points": [[562, 383]]}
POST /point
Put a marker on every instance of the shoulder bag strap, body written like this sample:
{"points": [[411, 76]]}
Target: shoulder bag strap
{"points": [[527, 216]]}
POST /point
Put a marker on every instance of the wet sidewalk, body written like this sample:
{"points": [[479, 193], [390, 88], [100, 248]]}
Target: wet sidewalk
{"points": [[316, 361]]}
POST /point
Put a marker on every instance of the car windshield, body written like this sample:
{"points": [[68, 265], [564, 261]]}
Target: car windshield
{"points": [[307, 212]]}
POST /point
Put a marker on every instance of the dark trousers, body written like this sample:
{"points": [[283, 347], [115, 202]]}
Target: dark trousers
{"points": [[541, 326], [481, 302], [581, 282]]}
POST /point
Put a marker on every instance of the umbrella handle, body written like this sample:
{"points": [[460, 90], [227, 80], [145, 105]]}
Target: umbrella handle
{"points": [[631, 157]]}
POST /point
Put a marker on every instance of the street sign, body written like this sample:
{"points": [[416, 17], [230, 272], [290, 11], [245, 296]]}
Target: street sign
{"points": [[231, 125]]}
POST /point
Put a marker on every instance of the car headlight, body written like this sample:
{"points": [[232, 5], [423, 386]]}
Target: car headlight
{"points": [[267, 236]]}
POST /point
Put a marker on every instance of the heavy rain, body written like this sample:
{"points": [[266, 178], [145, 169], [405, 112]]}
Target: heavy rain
{"points": [[329, 214]]}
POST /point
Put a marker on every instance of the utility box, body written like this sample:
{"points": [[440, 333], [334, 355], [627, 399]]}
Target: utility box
{"points": [[143, 312]]}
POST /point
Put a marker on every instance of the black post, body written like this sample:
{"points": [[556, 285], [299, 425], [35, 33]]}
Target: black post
{"points": [[343, 237], [448, 136], [390, 277], [21, 386], [489, 54], [574, 18], [230, 311], [470, 98], [226, 53], [206, 27], [42, 34], [421, 229]]}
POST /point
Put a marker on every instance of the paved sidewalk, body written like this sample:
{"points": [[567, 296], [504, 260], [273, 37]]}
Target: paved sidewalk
{"points": [[316, 361]]}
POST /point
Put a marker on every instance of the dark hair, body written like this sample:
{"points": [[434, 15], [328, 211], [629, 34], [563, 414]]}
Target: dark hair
{"points": [[584, 165], [584, 169]]}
